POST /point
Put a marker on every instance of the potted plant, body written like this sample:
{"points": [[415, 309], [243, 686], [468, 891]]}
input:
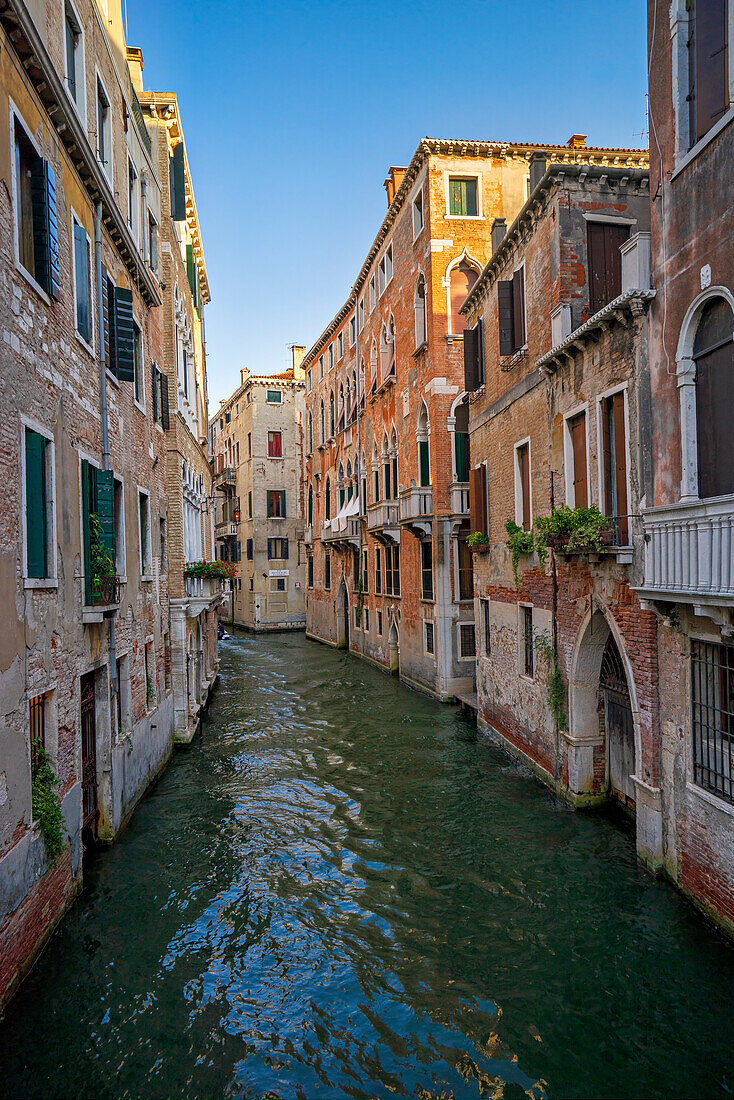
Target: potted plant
{"points": [[212, 570], [102, 566], [571, 531], [478, 542], [519, 542]]}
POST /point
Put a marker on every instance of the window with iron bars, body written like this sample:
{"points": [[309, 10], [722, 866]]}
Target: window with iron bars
{"points": [[37, 715], [712, 670]]}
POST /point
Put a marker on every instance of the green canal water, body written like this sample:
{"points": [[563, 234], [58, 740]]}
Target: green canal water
{"points": [[338, 892]]}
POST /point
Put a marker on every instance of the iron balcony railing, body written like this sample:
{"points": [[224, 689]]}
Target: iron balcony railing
{"points": [[102, 591]]}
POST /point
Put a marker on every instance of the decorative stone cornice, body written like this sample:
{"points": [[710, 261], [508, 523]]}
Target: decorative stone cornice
{"points": [[626, 307]]}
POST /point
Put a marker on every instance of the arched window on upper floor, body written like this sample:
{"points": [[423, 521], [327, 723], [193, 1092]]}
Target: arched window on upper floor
{"points": [[310, 433], [331, 414], [340, 417], [386, 469], [462, 278], [322, 425], [423, 433], [340, 486], [419, 312], [373, 366], [310, 505], [713, 354], [327, 499], [349, 480], [394, 457]]}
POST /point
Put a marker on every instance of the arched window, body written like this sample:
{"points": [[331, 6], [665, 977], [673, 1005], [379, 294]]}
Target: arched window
{"points": [[713, 354], [461, 442], [349, 480], [331, 414], [340, 484], [363, 486], [424, 428], [310, 433], [373, 365], [323, 426], [352, 411], [462, 279], [384, 353], [361, 385], [419, 311], [310, 505], [327, 501], [386, 469], [340, 417], [394, 455], [376, 472]]}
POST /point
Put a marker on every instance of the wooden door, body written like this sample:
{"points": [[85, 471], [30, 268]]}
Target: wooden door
{"points": [[89, 751]]}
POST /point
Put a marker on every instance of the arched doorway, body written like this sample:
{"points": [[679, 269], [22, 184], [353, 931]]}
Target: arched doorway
{"points": [[619, 725], [342, 618], [394, 649]]}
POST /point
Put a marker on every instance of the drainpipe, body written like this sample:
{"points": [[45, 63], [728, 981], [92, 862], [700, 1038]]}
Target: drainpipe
{"points": [[103, 401], [359, 462]]}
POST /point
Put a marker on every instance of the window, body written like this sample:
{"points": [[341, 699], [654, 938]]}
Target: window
{"points": [[327, 571], [39, 518], [392, 570], [159, 389], [577, 488], [360, 315], [708, 77], [162, 538], [310, 570], [384, 269], [36, 230], [428, 638], [604, 241], [379, 623], [278, 584], [146, 564], [124, 695], [82, 283], [308, 381], [614, 442], [418, 218], [366, 619], [365, 572], [132, 198], [167, 661], [352, 332], [474, 357], [249, 549], [419, 312], [119, 521], [340, 345], [138, 365], [427, 570], [37, 730], [526, 636], [467, 642], [378, 572], [462, 278], [463, 197], [104, 128], [150, 676], [98, 519], [274, 397], [331, 414], [275, 444], [152, 242], [372, 296], [119, 342], [321, 367], [484, 605], [249, 444], [712, 354], [466, 568], [310, 433], [278, 548], [523, 503], [276, 503], [74, 56], [511, 310]]}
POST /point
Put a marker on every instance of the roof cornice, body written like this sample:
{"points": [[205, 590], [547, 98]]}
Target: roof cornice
{"points": [[630, 304]]}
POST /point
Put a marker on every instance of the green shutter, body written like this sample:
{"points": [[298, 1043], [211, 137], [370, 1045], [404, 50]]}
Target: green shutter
{"points": [[425, 468], [191, 269], [81, 270], [249, 504], [177, 182], [267, 505], [165, 410], [124, 334], [462, 470], [154, 389], [282, 501], [89, 483], [36, 505], [106, 509]]}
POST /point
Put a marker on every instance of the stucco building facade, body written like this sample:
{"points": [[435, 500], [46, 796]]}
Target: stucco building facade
{"points": [[258, 451]]}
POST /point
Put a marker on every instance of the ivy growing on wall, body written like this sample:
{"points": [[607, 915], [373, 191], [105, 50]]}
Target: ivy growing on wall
{"points": [[46, 805]]}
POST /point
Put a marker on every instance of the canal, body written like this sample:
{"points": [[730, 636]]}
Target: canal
{"points": [[337, 891]]}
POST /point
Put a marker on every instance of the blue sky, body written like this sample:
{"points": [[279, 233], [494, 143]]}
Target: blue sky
{"points": [[293, 113]]}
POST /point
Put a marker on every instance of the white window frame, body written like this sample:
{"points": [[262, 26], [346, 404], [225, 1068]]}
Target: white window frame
{"points": [[426, 651], [52, 581], [471, 262], [378, 622], [79, 55], [321, 367], [366, 619], [107, 167], [459, 625], [144, 576], [352, 330], [133, 213], [15, 114], [485, 614], [518, 484], [372, 294], [413, 206], [267, 397], [331, 355], [382, 280], [136, 325], [521, 643], [622, 388], [92, 296], [449, 175], [568, 464]]}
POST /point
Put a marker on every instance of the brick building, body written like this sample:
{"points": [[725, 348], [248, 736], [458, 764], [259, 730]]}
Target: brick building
{"points": [[386, 424], [85, 668], [689, 491], [193, 600], [257, 443], [559, 408]]}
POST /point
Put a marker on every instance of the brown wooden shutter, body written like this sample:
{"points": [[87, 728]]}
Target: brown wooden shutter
{"points": [[620, 465], [471, 360], [165, 411], [604, 262], [518, 309], [483, 524], [607, 414], [523, 458], [714, 371], [577, 431], [506, 320], [711, 77], [614, 238], [480, 352]]}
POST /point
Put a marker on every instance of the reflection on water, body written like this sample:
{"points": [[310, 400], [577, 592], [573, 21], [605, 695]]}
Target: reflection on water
{"points": [[337, 892]]}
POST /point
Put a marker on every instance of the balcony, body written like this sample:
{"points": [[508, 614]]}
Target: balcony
{"points": [[308, 534], [225, 530], [416, 508], [225, 477], [459, 501], [347, 532], [101, 598], [689, 552], [383, 520], [204, 593]]}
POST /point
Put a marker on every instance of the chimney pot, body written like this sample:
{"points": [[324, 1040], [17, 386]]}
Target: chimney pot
{"points": [[577, 141], [538, 165], [499, 228]]}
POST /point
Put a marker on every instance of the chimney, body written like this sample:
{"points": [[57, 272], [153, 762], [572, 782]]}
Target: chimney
{"points": [[298, 353], [393, 181], [244, 375], [538, 165], [499, 228], [135, 66], [577, 141]]}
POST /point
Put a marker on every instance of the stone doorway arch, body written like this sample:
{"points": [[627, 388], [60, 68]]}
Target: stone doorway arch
{"points": [[394, 649], [342, 617]]}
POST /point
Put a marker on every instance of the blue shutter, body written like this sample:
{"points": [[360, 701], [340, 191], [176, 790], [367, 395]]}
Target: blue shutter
{"points": [[284, 543], [154, 372], [282, 503], [267, 505], [45, 227], [35, 505], [270, 548], [165, 411], [105, 507], [81, 271], [124, 334]]}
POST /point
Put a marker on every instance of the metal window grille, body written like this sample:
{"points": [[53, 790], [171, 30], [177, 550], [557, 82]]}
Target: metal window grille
{"points": [[467, 642], [712, 670], [37, 708], [429, 637], [527, 633]]}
